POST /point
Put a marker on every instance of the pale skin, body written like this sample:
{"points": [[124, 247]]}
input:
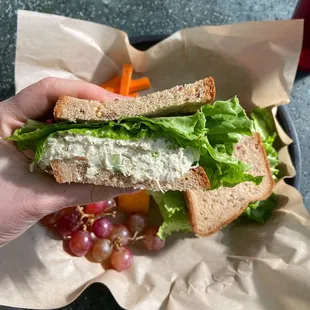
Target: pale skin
{"points": [[27, 196]]}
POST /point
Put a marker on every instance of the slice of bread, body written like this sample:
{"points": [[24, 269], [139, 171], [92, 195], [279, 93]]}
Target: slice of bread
{"points": [[75, 171], [184, 99], [211, 210]]}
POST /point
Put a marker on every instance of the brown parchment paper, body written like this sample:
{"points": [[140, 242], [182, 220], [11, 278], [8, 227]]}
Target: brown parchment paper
{"points": [[244, 266]]}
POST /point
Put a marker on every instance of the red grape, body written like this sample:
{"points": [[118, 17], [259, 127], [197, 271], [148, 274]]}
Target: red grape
{"points": [[120, 232], [80, 243], [121, 259], [49, 220], [151, 241], [102, 249], [65, 211], [100, 207], [137, 223], [68, 224], [102, 227]]}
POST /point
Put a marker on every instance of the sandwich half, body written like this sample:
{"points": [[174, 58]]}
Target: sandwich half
{"points": [[129, 143], [204, 212], [211, 210]]}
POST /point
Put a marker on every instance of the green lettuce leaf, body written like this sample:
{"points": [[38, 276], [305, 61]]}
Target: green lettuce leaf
{"points": [[272, 156], [173, 209], [261, 211], [264, 124], [213, 130]]}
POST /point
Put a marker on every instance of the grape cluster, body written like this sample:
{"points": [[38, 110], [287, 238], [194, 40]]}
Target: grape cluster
{"points": [[91, 230]]}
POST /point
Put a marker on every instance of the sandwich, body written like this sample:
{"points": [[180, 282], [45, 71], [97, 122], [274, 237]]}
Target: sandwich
{"points": [[202, 159], [205, 212], [202, 205], [129, 143]]}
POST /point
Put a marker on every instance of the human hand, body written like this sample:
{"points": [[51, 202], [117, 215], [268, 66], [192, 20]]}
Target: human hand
{"points": [[27, 197]]}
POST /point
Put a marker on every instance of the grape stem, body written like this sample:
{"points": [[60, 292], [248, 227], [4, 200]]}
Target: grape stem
{"points": [[109, 208], [83, 215], [117, 244], [104, 214], [80, 209], [90, 218], [136, 237]]}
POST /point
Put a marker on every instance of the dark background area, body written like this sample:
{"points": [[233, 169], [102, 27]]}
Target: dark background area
{"points": [[146, 17]]}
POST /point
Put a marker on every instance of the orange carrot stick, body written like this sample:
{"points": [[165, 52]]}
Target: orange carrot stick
{"points": [[139, 84], [135, 86], [111, 89], [134, 95], [114, 83], [126, 79]]}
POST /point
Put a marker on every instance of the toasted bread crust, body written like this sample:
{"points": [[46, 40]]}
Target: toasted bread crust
{"points": [[61, 104], [180, 100], [75, 171], [210, 89], [243, 194]]}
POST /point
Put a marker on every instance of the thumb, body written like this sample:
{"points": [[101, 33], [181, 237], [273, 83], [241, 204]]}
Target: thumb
{"points": [[30, 208]]}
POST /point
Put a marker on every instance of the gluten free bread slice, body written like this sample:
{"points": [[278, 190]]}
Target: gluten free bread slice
{"points": [[75, 171], [212, 210], [177, 100]]}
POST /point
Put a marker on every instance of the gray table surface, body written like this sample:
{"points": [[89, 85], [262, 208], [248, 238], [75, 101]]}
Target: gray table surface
{"points": [[149, 17]]}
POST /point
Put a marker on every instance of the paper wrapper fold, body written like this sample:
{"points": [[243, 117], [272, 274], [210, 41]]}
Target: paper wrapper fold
{"points": [[244, 266]]}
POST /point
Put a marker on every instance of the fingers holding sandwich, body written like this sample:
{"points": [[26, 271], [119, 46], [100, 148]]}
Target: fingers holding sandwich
{"points": [[59, 196], [38, 100]]}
